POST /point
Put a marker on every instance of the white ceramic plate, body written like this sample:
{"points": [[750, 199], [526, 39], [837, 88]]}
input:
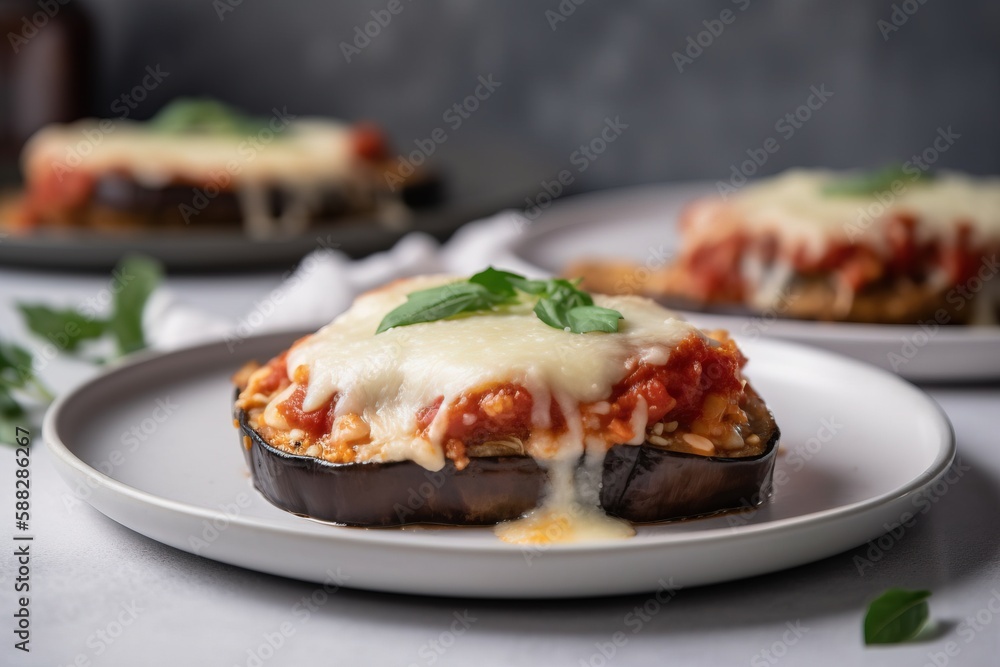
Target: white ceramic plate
{"points": [[858, 443], [638, 224]]}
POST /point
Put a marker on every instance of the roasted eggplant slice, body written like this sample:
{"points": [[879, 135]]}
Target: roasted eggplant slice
{"points": [[648, 483], [116, 194], [644, 483], [489, 490]]}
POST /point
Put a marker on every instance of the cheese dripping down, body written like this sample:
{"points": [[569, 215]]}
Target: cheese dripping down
{"points": [[570, 510]]}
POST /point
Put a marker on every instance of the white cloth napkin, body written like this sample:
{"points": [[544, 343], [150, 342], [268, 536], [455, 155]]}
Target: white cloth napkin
{"points": [[326, 281]]}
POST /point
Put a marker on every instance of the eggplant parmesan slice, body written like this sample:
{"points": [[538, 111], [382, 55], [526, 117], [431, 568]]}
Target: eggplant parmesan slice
{"points": [[201, 163], [812, 244], [468, 420], [641, 483]]}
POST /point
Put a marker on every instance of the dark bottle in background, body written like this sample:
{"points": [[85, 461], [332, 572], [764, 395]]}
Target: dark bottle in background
{"points": [[44, 71]]}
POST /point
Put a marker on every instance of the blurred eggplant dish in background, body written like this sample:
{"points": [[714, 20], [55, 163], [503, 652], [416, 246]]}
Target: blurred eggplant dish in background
{"points": [[201, 163], [895, 246]]}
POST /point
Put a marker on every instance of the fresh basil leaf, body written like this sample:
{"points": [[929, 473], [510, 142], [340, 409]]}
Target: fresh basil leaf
{"points": [[583, 319], [9, 408], [15, 366], [438, 303], [139, 276], [12, 415], [506, 282], [578, 299], [567, 294], [204, 116], [16, 377], [871, 182], [496, 281], [896, 616], [552, 313], [64, 328], [559, 285], [13, 355], [557, 298], [529, 286]]}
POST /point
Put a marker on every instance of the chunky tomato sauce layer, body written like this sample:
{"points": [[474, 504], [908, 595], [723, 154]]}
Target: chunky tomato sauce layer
{"points": [[699, 385], [713, 268]]}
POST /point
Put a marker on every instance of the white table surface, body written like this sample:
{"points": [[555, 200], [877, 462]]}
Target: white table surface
{"points": [[103, 595]]}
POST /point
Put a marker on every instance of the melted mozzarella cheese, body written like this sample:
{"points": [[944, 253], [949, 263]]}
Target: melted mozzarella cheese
{"points": [[305, 150], [794, 205], [389, 377]]}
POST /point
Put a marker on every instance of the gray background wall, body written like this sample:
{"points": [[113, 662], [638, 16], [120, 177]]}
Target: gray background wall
{"points": [[940, 68]]}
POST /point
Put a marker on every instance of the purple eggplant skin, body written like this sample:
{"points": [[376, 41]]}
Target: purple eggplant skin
{"points": [[641, 483], [487, 491], [162, 205], [648, 483]]}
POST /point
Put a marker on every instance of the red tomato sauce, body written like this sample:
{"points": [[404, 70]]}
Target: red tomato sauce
{"points": [[316, 423], [500, 411], [713, 267], [677, 389], [277, 378]]}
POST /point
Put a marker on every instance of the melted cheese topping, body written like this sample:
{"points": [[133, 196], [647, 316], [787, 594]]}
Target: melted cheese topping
{"points": [[388, 378], [310, 150], [794, 205]]}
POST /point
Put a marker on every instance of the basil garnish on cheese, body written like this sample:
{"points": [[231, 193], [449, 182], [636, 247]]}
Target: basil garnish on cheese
{"points": [[559, 303]]}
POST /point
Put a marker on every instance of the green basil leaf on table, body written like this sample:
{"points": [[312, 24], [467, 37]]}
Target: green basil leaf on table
{"points": [[66, 328], [139, 277], [15, 366], [896, 616]]}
